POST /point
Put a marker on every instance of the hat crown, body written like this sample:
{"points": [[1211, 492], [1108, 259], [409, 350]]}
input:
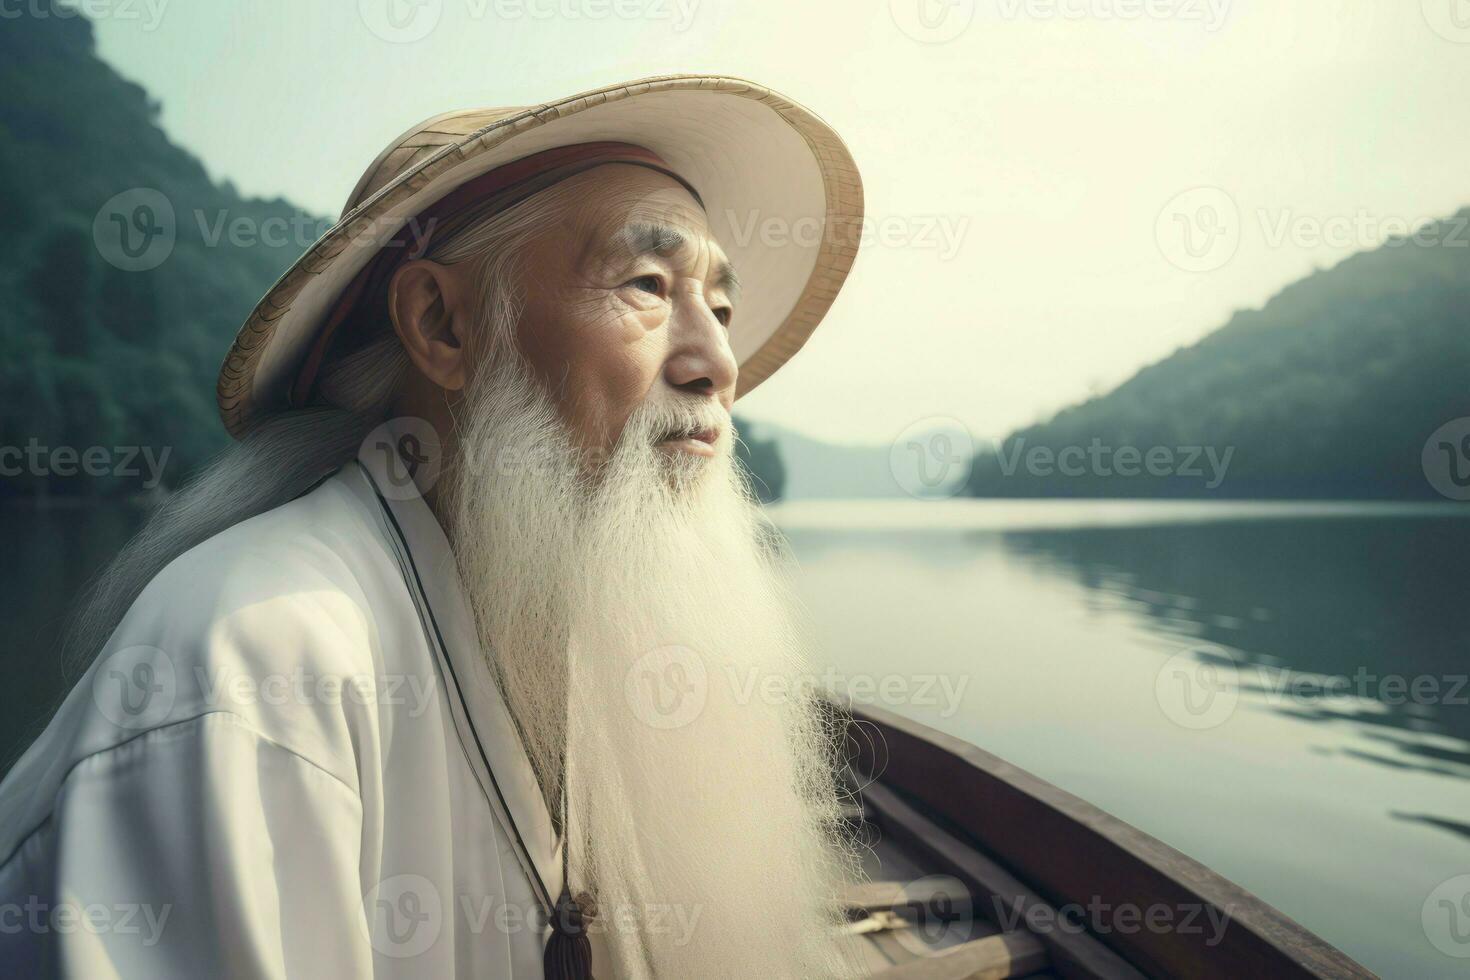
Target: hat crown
{"points": [[420, 143]]}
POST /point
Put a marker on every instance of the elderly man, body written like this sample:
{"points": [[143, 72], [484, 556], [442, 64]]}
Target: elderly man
{"points": [[474, 657]]}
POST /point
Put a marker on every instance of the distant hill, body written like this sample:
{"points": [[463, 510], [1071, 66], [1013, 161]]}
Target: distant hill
{"points": [[1329, 391], [762, 459], [816, 469], [91, 352]]}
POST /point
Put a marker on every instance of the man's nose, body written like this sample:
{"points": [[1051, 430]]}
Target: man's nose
{"points": [[700, 360]]}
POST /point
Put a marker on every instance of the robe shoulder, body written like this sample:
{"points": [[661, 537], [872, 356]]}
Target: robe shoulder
{"points": [[295, 586], [295, 623]]}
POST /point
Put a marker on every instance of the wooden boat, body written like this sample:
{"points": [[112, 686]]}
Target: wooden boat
{"points": [[980, 870]]}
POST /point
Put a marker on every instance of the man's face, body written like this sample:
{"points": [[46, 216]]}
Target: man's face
{"points": [[629, 300]]}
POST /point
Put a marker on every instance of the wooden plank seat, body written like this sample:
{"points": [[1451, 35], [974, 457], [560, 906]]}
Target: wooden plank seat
{"points": [[1008, 954]]}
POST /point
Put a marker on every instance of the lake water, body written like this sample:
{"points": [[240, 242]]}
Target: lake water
{"points": [[1330, 771], [1276, 690]]}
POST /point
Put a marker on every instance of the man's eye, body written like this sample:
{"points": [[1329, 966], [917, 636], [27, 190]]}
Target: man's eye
{"points": [[649, 284], [724, 315]]}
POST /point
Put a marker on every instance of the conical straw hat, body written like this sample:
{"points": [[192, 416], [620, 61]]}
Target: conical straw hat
{"points": [[780, 189]]}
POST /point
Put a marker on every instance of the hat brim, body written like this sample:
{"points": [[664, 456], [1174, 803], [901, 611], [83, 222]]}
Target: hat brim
{"points": [[781, 191]]}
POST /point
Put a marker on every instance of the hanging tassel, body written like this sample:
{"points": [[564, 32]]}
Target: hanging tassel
{"points": [[568, 951]]}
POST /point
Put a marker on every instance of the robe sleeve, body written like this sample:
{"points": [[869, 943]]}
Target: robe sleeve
{"points": [[205, 849]]}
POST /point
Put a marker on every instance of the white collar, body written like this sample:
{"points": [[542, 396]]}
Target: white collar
{"points": [[490, 739]]}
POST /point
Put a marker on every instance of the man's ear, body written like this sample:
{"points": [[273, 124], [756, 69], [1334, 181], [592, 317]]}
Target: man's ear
{"points": [[429, 315]]}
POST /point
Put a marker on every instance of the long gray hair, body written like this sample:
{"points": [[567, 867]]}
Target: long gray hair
{"points": [[291, 451]]}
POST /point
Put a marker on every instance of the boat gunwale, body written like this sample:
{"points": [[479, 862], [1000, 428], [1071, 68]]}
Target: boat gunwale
{"points": [[1072, 852]]}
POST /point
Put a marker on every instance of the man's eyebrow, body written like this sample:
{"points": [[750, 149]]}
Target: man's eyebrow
{"points": [[652, 238], [648, 238], [727, 280]]}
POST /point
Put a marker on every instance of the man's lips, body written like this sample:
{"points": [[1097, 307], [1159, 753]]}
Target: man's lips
{"points": [[701, 441]]}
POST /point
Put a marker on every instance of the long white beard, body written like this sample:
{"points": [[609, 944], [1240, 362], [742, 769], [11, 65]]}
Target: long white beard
{"points": [[647, 594]]}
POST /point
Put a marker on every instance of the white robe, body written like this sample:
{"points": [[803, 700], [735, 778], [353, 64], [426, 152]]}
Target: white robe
{"points": [[289, 760]]}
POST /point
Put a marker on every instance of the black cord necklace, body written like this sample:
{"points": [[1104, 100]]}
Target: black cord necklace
{"points": [[568, 954]]}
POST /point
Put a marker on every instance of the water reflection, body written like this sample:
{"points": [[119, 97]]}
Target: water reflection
{"points": [[1453, 826], [1358, 621]]}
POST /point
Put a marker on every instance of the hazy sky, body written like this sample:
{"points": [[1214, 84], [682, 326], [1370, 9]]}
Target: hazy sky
{"points": [[1068, 189]]}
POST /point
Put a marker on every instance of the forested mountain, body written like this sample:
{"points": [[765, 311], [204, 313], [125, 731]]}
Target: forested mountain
{"points": [[93, 350], [1329, 390]]}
